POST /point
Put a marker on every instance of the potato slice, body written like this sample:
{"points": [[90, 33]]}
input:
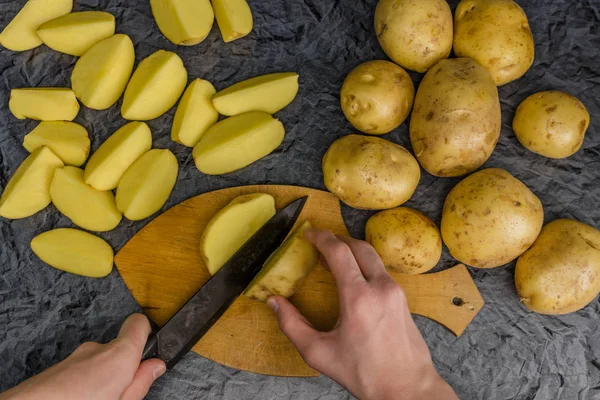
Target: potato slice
{"points": [[20, 34], [77, 32], [234, 18], [108, 164], [74, 251], [87, 207], [146, 186], [286, 269], [155, 86], [232, 226], [101, 74], [183, 22], [28, 190], [68, 140], [44, 104], [195, 113], [269, 93]]}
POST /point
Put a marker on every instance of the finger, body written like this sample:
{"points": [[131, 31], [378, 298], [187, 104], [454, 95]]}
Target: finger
{"points": [[134, 333], [367, 258], [147, 373]]}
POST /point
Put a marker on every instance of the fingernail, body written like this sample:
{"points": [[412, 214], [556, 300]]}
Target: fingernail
{"points": [[272, 303], [158, 371]]}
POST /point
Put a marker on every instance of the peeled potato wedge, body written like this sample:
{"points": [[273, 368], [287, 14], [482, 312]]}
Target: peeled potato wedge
{"points": [[286, 269], [28, 190], [44, 104], [183, 22], [101, 74], [147, 184], [195, 113], [68, 140], [269, 93], [234, 18], [74, 251], [155, 86], [237, 142], [232, 226], [20, 34], [108, 164]]}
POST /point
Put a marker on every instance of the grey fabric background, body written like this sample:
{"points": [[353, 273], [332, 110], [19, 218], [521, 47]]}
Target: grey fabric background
{"points": [[506, 353]]}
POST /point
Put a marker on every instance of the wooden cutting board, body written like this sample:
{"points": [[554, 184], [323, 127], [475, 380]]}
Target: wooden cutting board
{"points": [[162, 267]]}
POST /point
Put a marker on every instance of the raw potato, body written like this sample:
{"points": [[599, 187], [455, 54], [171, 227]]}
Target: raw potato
{"points": [[560, 273], [377, 96], [456, 120], [195, 113], [414, 33], [101, 74], [551, 123], [237, 142], [490, 218], [74, 251], [68, 140], [28, 190], [269, 93], [108, 164], [77, 32], [286, 269], [44, 104], [496, 34], [234, 18], [406, 240], [146, 186], [183, 22], [232, 226], [370, 173], [20, 34], [155, 86]]}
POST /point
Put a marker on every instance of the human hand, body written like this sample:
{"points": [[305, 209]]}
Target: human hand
{"points": [[375, 350], [96, 371]]}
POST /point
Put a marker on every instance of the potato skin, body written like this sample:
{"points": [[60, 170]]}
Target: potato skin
{"points": [[551, 123], [560, 273], [414, 33], [456, 121], [370, 173], [490, 218], [406, 240], [377, 96], [496, 34]]}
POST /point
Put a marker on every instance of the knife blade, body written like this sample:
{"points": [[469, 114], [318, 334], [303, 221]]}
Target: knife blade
{"points": [[177, 337]]}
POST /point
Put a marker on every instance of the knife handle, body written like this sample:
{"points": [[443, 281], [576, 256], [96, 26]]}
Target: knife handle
{"points": [[151, 347]]}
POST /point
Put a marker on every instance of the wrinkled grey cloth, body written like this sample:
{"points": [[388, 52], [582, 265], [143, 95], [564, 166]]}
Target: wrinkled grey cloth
{"points": [[507, 352]]}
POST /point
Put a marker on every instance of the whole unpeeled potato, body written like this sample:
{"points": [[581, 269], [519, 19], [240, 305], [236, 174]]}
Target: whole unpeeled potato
{"points": [[377, 96], [560, 273]]}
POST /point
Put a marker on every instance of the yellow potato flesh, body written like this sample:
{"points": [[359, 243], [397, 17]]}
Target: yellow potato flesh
{"points": [[155, 86], [108, 164], [232, 226], [87, 207], [44, 104], [286, 269], [195, 113], [183, 22], [146, 186], [68, 140], [20, 34], [74, 251], [268, 93], [77, 32], [234, 18], [237, 142], [101, 74], [28, 190]]}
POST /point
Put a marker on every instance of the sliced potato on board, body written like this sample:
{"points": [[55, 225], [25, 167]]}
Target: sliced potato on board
{"points": [[44, 104], [68, 140], [234, 18], [195, 113], [183, 22]]}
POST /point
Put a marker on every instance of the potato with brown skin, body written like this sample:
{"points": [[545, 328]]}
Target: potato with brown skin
{"points": [[377, 96], [490, 218], [551, 123], [456, 120], [406, 240], [560, 273], [370, 173]]}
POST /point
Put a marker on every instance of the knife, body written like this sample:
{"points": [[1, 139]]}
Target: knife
{"points": [[171, 342]]}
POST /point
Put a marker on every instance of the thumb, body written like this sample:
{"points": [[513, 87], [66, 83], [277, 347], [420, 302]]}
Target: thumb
{"points": [[147, 373]]}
